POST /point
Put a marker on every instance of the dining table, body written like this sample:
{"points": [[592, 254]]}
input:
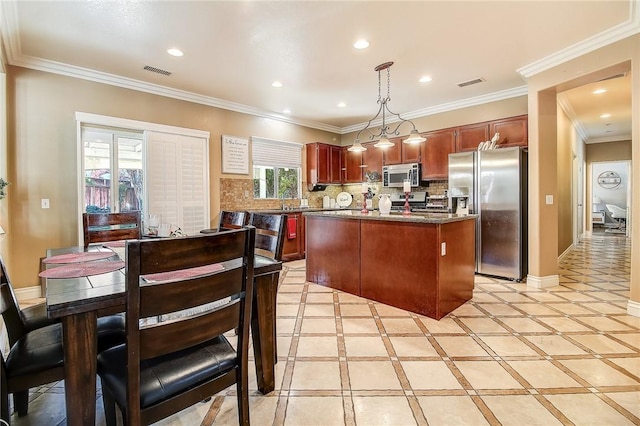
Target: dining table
{"points": [[78, 302]]}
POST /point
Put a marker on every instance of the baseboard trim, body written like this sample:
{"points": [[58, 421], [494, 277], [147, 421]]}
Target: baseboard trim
{"points": [[566, 252], [25, 293], [543, 282], [633, 308]]}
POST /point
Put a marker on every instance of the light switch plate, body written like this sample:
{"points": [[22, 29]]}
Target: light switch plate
{"points": [[44, 203], [549, 199], [443, 248]]}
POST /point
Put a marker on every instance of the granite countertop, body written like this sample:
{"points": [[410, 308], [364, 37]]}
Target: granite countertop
{"points": [[296, 210], [394, 217]]}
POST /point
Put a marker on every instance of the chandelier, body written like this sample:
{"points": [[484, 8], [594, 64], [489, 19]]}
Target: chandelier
{"points": [[385, 129]]}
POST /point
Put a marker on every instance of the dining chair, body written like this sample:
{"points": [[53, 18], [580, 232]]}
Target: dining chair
{"points": [[167, 366], [36, 357], [104, 227], [229, 220], [27, 319]]}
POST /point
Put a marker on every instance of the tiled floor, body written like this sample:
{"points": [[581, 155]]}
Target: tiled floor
{"points": [[511, 356]]}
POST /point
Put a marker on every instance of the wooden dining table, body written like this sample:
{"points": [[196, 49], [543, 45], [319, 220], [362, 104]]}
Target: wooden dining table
{"points": [[78, 302]]}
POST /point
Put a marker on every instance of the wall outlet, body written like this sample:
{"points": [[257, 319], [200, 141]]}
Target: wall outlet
{"points": [[246, 194], [44, 203], [443, 249]]}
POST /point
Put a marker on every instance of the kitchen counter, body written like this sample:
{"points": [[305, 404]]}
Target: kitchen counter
{"points": [[423, 263]]}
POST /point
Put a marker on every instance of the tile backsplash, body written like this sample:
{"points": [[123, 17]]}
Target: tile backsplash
{"points": [[233, 191]]}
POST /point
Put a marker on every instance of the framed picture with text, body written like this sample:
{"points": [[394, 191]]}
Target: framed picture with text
{"points": [[235, 155]]}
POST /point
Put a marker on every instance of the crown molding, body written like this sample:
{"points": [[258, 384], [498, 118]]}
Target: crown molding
{"points": [[621, 31], [604, 139], [568, 109], [450, 106]]}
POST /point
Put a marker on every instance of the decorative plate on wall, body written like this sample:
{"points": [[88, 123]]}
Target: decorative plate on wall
{"points": [[609, 180]]}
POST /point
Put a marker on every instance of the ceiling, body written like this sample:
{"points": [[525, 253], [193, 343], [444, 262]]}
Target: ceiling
{"points": [[234, 50]]}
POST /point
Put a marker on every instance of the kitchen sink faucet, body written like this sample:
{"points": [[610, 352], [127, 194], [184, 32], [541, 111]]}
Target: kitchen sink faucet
{"points": [[283, 194]]}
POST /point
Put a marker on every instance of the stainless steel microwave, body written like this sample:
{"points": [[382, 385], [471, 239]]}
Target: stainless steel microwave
{"points": [[395, 175]]}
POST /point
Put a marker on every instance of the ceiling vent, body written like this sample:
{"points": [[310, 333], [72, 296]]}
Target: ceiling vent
{"points": [[156, 70], [470, 82]]}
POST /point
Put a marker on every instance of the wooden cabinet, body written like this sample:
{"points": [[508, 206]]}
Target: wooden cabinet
{"points": [[468, 137], [436, 150], [412, 153], [513, 131], [352, 166], [324, 162], [371, 159], [294, 248], [393, 154]]}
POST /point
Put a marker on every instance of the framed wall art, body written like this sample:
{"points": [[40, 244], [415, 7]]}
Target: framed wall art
{"points": [[235, 155]]}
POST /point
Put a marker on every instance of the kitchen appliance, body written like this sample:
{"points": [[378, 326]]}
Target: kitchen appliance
{"points": [[394, 176], [417, 201], [493, 185]]}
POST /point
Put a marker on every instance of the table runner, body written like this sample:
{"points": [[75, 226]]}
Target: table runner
{"points": [[182, 273], [82, 269], [78, 257]]}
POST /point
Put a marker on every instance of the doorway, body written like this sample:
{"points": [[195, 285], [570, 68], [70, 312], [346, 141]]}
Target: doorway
{"points": [[611, 197]]}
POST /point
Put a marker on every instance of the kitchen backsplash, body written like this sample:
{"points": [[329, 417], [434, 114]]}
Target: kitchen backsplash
{"points": [[232, 194]]}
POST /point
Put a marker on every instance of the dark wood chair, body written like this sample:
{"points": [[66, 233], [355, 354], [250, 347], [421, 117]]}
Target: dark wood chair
{"points": [[170, 365], [268, 255], [36, 357], [27, 319], [229, 220], [104, 227]]}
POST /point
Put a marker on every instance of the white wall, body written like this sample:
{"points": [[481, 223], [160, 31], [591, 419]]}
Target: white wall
{"points": [[616, 195]]}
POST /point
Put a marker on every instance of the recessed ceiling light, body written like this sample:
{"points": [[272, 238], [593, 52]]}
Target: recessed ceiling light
{"points": [[425, 79], [286, 111], [342, 105], [277, 84], [175, 52], [599, 91], [361, 44], [605, 116]]}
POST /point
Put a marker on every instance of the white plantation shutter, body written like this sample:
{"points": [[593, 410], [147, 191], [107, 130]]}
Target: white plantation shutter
{"points": [[269, 152], [177, 180]]}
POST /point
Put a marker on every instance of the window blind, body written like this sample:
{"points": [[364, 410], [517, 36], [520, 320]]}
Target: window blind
{"points": [[269, 152]]}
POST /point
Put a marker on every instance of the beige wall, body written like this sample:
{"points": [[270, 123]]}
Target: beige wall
{"points": [[565, 180], [41, 148]]}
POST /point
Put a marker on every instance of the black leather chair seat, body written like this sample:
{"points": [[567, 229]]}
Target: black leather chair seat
{"points": [[165, 376], [36, 317], [41, 349]]}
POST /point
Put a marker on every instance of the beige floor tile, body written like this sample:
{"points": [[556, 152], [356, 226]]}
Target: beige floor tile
{"points": [[632, 339], [518, 410], [359, 325], [629, 320], [487, 375], [285, 325], [508, 346], [483, 325], [324, 310], [604, 324], [284, 310], [412, 346], [317, 346], [535, 309], [601, 344], [543, 374], [632, 365], [563, 324], [378, 375], [320, 411], [291, 288], [460, 346], [587, 409], [555, 345], [606, 308], [318, 325], [316, 375], [451, 410], [499, 309], [357, 346], [350, 298], [432, 375], [572, 309], [358, 310], [444, 326], [283, 345], [319, 298], [400, 325], [383, 411], [597, 373], [513, 297], [544, 297], [315, 288], [468, 310], [390, 311], [524, 325], [293, 298], [628, 400]]}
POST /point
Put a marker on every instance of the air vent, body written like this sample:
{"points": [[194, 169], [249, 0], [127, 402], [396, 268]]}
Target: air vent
{"points": [[156, 70], [470, 82]]}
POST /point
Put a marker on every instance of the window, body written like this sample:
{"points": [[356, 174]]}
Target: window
{"points": [[276, 168]]}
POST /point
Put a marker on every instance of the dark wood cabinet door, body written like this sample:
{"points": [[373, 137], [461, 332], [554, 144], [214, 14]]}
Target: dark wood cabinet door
{"points": [[435, 159], [393, 154], [513, 131], [468, 137], [335, 164], [371, 159], [318, 156], [352, 166], [412, 153]]}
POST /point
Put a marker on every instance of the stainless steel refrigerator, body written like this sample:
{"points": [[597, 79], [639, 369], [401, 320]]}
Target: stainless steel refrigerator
{"points": [[493, 185]]}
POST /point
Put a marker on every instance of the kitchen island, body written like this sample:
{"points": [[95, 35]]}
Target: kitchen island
{"points": [[423, 263]]}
